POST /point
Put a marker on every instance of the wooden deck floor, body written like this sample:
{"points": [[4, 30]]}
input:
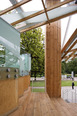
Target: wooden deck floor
{"points": [[41, 105]]}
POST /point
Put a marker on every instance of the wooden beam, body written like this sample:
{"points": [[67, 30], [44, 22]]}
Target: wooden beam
{"points": [[69, 41], [70, 55], [74, 56], [73, 50], [66, 31], [69, 49], [45, 11], [14, 6], [41, 12], [46, 22]]}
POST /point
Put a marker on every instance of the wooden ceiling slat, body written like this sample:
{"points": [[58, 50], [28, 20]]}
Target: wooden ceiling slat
{"points": [[69, 41], [70, 55], [74, 56], [46, 22], [14, 6], [41, 12], [73, 50], [45, 11], [69, 49]]}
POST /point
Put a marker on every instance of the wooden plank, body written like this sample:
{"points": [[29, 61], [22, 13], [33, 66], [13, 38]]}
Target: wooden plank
{"points": [[26, 82], [70, 55], [20, 86], [46, 22], [74, 56], [69, 41], [73, 50], [45, 11], [66, 31], [8, 96], [69, 49], [30, 107], [23, 102], [39, 104], [41, 12], [53, 50], [14, 6]]}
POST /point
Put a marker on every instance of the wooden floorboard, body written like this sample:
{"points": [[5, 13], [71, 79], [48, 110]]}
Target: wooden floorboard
{"points": [[41, 105]]}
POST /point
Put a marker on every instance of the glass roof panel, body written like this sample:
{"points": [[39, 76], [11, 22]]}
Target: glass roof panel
{"points": [[71, 28], [74, 47], [4, 4], [39, 18], [64, 22], [68, 53], [10, 18], [33, 5]]}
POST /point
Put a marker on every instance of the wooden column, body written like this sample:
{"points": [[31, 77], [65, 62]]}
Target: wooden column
{"points": [[53, 56]]}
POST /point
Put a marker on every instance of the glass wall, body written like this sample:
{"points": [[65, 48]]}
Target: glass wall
{"points": [[2, 55], [10, 49], [25, 64], [7, 58]]}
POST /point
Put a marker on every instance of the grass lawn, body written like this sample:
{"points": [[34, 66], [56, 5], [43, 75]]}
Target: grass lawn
{"points": [[42, 83], [38, 90], [38, 84], [68, 83]]}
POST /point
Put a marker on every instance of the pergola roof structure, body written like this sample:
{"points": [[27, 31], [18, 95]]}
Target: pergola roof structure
{"points": [[69, 51], [24, 21]]}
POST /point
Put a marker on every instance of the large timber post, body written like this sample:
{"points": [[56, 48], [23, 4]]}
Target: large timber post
{"points": [[53, 56]]}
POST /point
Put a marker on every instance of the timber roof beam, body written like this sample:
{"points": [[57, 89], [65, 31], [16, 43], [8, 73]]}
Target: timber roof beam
{"points": [[14, 6], [45, 11], [41, 12]]}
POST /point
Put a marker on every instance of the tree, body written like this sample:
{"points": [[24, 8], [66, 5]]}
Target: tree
{"points": [[72, 66], [32, 42], [63, 67], [69, 67]]}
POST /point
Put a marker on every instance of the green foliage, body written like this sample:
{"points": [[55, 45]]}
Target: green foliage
{"points": [[69, 67], [72, 66], [2, 54], [32, 42], [63, 67]]}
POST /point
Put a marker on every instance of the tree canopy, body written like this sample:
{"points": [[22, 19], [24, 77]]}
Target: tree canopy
{"points": [[70, 66], [33, 42]]}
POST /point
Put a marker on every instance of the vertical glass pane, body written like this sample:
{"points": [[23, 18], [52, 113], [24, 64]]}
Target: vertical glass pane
{"points": [[2, 55], [11, 60], [7, 58], [25, 64]]}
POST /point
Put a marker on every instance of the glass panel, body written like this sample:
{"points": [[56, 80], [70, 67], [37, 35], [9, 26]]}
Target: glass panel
{"points": [[75, 47], [71, 28], [11, 60], [2, 55], [40, 18], [33, 5], [25, 64], [4, 4], [64, 23], [9, 45], [10, 38], [10, 18], [7, 58]]}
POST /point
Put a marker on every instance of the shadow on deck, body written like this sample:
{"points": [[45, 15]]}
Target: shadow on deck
{"points": [[39, 104]]}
